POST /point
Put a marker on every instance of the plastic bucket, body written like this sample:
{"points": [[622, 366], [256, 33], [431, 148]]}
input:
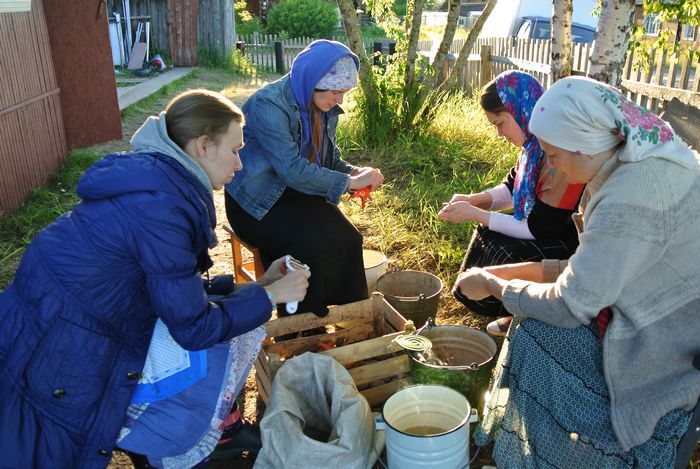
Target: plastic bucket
{"points": [[427, 426], [414, 294], [461, 358], [375, 266]]}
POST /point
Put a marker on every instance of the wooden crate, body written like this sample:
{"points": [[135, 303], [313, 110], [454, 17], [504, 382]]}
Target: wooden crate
{"points": [[363, 345]]}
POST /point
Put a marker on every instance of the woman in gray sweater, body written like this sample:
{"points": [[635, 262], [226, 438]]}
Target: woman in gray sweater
{"points": [[599, 371]]}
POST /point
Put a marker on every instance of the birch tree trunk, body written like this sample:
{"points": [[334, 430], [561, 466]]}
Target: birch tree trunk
{"points": [[412, 48], [467, 47], [440, 54], [561, 39], [611, 39], [357, 45]]}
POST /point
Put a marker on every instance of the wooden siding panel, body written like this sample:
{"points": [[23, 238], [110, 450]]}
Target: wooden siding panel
{"points": [[31, 125], [183, 32]]}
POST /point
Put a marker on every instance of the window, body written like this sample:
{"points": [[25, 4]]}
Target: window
{"points": [[524, 30], [688, 32], [13, 6], [652, 25]]}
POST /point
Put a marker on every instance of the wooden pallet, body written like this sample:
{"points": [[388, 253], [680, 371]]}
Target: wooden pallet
{"points": [[363, 345]]}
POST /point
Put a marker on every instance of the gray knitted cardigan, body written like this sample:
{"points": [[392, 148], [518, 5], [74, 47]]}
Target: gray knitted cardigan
{"points": [[639, 254]]}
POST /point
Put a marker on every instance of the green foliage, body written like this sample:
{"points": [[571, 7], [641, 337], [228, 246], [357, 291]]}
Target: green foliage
{"points": [[399, 8], [235, 61], [240, 65], [246, 23], [371, 33], [211, 56], [683, 12], [303, 18]]}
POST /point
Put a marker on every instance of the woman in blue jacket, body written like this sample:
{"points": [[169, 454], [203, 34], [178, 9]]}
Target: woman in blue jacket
{"points": [[78, 317], [285, 198]]}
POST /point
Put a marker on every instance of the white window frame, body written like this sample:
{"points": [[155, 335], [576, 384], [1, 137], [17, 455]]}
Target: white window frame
{"points": [[652, 24], [688, 32]]}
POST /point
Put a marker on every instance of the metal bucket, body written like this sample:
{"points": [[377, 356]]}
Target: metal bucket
{"points": [[414, 294], [427, 426], [464, 360]]}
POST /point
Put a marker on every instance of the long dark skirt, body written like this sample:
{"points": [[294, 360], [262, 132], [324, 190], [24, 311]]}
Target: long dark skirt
{"points": [[489, 247], [549, 406], [318, 234]]}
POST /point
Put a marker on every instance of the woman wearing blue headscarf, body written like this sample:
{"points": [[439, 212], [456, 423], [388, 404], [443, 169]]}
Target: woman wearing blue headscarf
{"points": [[540, 197], [285, 198]]}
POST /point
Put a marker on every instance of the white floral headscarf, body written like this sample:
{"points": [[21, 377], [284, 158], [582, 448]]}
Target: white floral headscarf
{"points": [[341, 76], [585, 116]]}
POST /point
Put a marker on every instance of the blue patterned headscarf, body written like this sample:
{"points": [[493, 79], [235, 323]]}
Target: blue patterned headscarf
{"points": [[519, 92], [309, 67]]}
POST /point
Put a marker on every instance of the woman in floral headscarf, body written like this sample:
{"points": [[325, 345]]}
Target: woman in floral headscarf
{"points": [[285, 198], [600, 374], [541, 198]]}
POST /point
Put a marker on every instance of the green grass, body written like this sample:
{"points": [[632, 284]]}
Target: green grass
{"points": [[460, 153], [46, 204]]}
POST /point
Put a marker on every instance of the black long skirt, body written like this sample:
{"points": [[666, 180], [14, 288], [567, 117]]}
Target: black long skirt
{"points": [[315, 232], [489, 247]]}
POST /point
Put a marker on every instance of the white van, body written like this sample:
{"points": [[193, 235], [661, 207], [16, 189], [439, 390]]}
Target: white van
{"points": [[508, 17]]}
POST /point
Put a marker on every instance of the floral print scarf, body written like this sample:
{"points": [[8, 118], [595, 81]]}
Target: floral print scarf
{"points": [[519, 92], [585, 116]]}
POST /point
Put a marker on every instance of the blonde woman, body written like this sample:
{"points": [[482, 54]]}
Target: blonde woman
{"points": [[80, 314]]}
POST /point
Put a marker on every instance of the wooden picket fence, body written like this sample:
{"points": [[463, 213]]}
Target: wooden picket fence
{"points": [[260, 49], [669, 76]]}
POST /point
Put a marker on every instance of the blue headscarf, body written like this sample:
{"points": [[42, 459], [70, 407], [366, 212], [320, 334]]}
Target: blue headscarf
{"points": [[519, 92], [308, 68]]}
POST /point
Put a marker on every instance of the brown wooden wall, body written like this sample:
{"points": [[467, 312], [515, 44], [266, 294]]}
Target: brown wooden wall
{"points": [[82, 58], [183, 32], [213, 24], [32, 141]]}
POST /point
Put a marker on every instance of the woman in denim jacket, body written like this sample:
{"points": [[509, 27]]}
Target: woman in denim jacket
{"points": [[285, 198]]}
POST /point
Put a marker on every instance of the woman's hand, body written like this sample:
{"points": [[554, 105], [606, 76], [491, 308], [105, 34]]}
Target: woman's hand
{"points": [[477, 284], [459, 212], [364, 177], [275, 272], [291, 287], [481, 200]]}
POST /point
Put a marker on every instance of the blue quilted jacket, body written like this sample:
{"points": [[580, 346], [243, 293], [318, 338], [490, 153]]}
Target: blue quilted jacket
{"points": [[79, 315]]}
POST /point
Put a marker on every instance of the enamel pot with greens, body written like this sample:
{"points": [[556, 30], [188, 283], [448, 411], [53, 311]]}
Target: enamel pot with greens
{"points": [[460, 358]]}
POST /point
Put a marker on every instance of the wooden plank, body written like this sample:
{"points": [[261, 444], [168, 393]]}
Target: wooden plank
{"points": [[378, 322], [394, 318], [378, 395], [363, 350], [664, 93], [290, 348], [684, 76], [360, 310], [262, 392], [263, 380], [671, 77], [381, 369]]}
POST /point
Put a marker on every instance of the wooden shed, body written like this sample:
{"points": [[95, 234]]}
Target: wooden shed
{"points": [[57, 91]]}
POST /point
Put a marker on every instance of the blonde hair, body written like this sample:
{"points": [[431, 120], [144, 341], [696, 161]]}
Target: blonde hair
{"points": [[200, 112]]}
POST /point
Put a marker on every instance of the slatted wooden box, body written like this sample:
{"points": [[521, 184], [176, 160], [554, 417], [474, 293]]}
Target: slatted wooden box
{"points": [[362, 344]]}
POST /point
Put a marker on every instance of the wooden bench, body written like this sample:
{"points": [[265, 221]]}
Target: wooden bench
{"points": [[245, 269], [685, 120]]}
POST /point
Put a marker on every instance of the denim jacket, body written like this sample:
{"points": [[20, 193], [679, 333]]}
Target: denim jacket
{"points": [[271, 159]]}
